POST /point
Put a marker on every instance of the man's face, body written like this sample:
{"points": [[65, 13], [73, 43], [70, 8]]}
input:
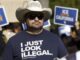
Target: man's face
{"points": [[35, 20]]}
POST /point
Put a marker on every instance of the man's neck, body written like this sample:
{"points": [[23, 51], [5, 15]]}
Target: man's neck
{"points": [[36, 32]]}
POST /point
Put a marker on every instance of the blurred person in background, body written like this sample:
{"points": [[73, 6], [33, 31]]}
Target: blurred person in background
{"points": [[73, 56], [77, 26], [35, 43], [2, 43], [65, 39], [17, 27], [74, 44], [10, 30]]}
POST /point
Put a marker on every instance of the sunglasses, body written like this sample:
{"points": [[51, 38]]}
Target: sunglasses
{"points": [[33, 15]]}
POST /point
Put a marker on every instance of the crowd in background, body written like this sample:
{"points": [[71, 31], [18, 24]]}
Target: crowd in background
{"points": [[7, 32], [72, 42]]}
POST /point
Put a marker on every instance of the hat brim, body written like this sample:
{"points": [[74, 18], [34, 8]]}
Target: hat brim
{"points": [[21, 12]]}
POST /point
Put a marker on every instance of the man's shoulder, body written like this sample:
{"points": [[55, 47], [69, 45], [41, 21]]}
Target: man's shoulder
{"points": [[22, 33], [18, 36], [50, 33], [52, 36]]}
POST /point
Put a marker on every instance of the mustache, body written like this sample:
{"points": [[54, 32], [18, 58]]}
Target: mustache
{"points": [[36, 22]]}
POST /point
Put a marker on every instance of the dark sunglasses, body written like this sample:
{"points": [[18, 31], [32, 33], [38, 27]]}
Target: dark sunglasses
{"points": [[32, 15]]}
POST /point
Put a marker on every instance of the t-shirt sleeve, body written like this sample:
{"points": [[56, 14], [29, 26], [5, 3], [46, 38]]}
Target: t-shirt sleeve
{"points": [[8, 52], [62, 51]]}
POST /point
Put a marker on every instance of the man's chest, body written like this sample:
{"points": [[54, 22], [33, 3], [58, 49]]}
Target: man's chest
{"points": [[34, 49]]}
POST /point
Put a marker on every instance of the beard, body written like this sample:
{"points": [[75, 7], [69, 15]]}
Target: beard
{"points": [[34, 29]]}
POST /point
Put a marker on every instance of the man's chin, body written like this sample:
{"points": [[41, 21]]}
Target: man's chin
{"points": [[34, 28], [37, 28]]}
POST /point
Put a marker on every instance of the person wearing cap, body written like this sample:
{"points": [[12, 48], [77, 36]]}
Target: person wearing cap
{"points": [[35, 43]]}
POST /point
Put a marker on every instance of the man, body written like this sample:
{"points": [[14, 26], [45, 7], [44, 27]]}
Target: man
{"points": [[35, 43]]}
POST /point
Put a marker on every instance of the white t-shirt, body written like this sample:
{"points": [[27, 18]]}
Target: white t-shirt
{"points": [[78, 55]]}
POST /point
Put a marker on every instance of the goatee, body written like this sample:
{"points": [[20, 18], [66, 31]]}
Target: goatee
{"points": [[34, 29]]}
